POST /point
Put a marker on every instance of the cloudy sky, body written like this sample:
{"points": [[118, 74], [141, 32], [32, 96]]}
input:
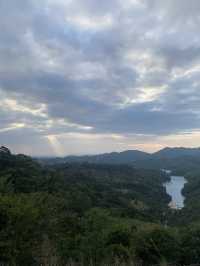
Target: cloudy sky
{"points": [[90, 76]]}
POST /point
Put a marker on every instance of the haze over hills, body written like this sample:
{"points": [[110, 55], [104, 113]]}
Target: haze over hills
{"points": [[177, 152], [125, 157], [152, 160]]}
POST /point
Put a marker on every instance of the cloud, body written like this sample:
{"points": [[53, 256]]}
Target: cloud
{"points": [[98, 68]]}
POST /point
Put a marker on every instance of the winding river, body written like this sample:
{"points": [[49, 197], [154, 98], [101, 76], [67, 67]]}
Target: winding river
{"points": [[174, 189]]}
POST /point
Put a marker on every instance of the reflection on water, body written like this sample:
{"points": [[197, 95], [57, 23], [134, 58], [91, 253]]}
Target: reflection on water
{"points": [[174, 189]]}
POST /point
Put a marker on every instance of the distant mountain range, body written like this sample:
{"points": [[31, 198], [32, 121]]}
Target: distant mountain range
{"points": [[177, 152], [125, 157], [172, 158]]}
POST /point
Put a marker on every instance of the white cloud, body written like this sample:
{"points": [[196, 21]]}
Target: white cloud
{"points": [[12, 126], [88, 72], [91, 23], [14, 106]]}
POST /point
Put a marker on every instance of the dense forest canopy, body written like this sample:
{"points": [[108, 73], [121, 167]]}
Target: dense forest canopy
{"points": [[89, 212]]}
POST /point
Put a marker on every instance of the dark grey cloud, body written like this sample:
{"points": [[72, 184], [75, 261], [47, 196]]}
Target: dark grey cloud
{"points": [[98, 68]]}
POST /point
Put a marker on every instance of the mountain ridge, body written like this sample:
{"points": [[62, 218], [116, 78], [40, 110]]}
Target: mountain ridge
{"points": [[128, 156]]}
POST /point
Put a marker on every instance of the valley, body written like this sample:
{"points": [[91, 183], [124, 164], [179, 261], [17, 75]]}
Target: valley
{"points": [[83, 211]]}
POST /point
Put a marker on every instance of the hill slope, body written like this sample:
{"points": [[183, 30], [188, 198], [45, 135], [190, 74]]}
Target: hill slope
{"points": [[86, 212], [164, 158], [177, 152], [126, 157]]}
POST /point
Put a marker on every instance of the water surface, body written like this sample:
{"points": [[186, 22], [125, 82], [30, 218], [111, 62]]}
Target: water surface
{"points": [[174, 189]]}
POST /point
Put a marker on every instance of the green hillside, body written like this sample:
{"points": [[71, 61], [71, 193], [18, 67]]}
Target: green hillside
{"points": [[93, 214]]}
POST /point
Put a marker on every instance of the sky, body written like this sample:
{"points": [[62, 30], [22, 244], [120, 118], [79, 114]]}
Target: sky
{"points": [[90, 76]]}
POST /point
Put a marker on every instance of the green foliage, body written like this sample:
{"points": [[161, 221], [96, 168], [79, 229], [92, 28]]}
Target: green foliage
{"points": [[92, 214], [19, 219], [157, 245], [191, 244]]}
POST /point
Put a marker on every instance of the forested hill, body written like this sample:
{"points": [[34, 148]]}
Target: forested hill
{"points": [[93, 214], [56, 213], [129, 157], [180, 160], [126, 157], [177, 152]]}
